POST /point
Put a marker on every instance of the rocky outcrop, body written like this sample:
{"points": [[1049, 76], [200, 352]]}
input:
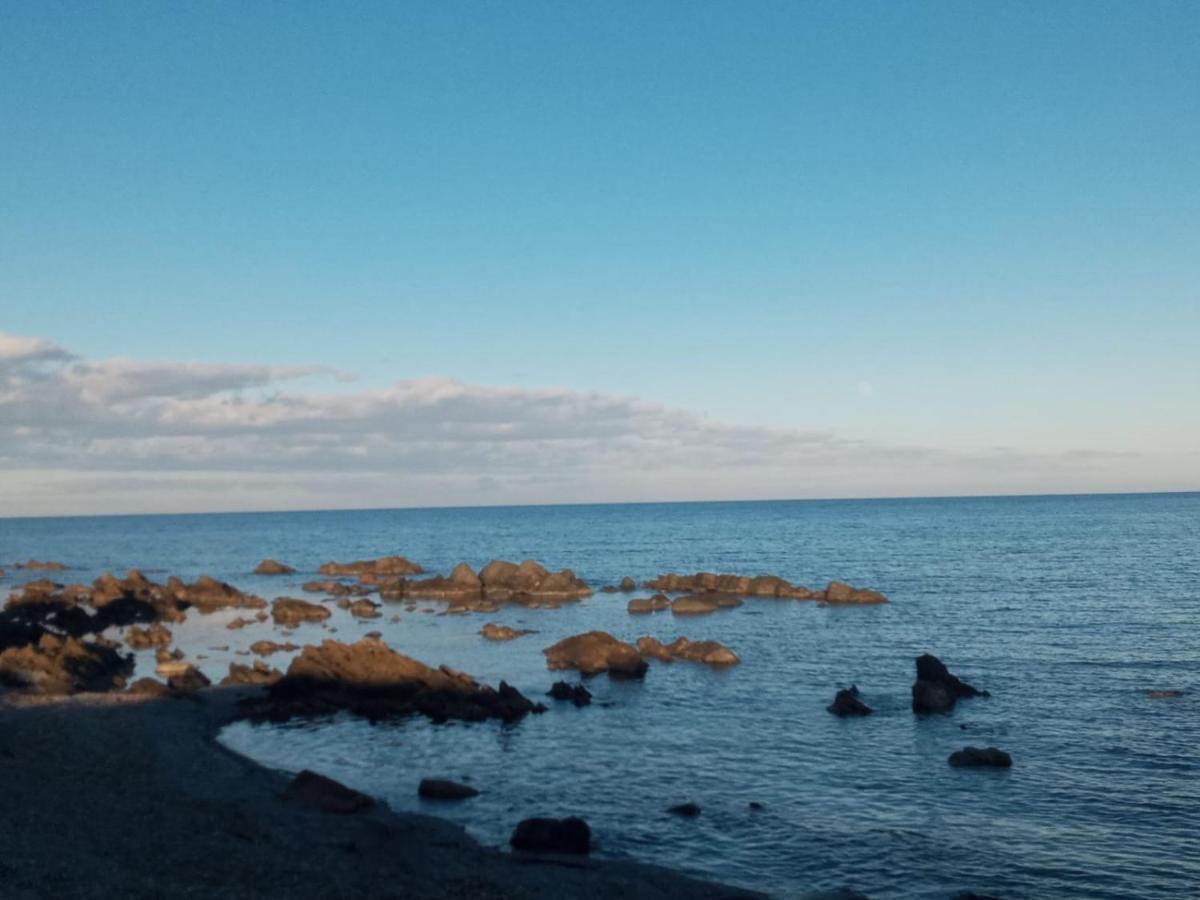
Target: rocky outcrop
{"points": [[642, 605], [290, 611], [273, 567], [326, 795], [528, 584], [387, 566], [758, 586], [266, 648], [840, 593], [65, 665], [369, 679], [695, 605], [846, 703], [709, 652], [990, 757], [444, 789], [571, 835], [596, 652], [149, 687], [576, 693], [209, 595], [936, 690], [145, 638], [494, 632], [258, 673]]}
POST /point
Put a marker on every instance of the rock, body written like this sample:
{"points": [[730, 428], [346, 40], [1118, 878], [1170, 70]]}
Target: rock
{"points": [[259, 673], [364, 609], [144, 638], [239, 622], [530, 583], [704, 582], [838, 592], [628, 584], [494, 632], [694, 605], [65, 665], [709, 652], [755, 806], [149, 687], [689, 809], [337, 588], [290, 611], [576, 693], [846, 703], [442, 789], [209, 595], [189, 680], [648, 604], [369, 679], [34, 565], [266, 648], [595, 652], [324, 794], [571, 835], [652, 648], [1164, 695], [980, 756], [609, 589], [272, 567], [388, 565], [936, 690]]}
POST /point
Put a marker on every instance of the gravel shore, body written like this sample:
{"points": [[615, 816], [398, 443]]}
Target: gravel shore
{"points": [[110, 795]]}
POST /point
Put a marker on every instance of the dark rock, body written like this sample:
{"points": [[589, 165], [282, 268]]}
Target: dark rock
{"points": [[38, 566], [936, 690], [980, 756], [65, 665], [289, 611], [707, 582], [595, 652], [189, 680], [689, 809], [494, 632], [324, 794], [364, 609], [272, 567], [576, 693], [1164, 695], [442, 789], [209, 595], [755, 806], [571, 835], [387, 566], [258, 673], [628, 584], [846, 703], [149, 687]]}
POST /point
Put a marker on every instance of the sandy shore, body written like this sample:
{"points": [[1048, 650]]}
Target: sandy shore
{"points": [[115, 796]]}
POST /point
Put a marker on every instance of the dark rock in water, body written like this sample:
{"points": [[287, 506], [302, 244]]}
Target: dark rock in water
{"points": [[936, 690], [189, 680], [1164, 695], [841, 593], [571, 835], [324, 794], [266, 648], [443, 789], [846, 703], [689, 809], [980, 756], [576, 693], [755, 806], [628, 584], [208, 595], [149, 687], [971, 895], [290, 611], [272, 567], [34, 565], [595, 652], [65, 665]]}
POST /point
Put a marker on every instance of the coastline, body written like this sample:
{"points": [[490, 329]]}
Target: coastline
{"points": [[134, 797]]}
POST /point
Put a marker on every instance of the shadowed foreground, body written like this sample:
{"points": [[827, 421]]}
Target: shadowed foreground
{"points": [[111, 795]]}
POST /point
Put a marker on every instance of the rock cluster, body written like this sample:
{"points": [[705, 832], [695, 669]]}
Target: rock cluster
{"points": [[290, 611], [528, 583], [258, 673], [209, 595], [65, 665], [936, 690], [703, 583], [392, 566], [595, 652], [709, 652]]}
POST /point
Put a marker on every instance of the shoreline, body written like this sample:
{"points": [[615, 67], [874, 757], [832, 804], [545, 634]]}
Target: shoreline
{"points": [[135, 797]]}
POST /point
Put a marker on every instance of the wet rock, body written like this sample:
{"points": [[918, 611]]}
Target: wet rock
{"points": [[273, 567], [494, 632], [628, 584], [364, 609], [326, 795], [462, 584], [571, 835], [209, 595], [530, 583], [187, 681], [755, 806], [258, 673], [144, 638], [936, 690], [704, 582], [290, 611], [708, 652], [337, 588], [65, 665], [846, 703], [34, 565], [980, 756], [652, 648], [443, 789], [369, 679], [839, 592], [386, 566], [239, 622], [149, 687], [694, 605], [576, 693], [689, 810], [266, 648], [595, 652], [641, 605], [1164, 695]]}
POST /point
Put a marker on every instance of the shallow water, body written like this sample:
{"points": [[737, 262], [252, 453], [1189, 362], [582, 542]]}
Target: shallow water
{"points": [[1068, 609]]}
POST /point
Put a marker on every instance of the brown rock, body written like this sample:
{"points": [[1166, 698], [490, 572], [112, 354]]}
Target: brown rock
{"points": [[290, 611], [388, 565], [710, 653], [266, 648], [324, 794], [149, 687], [494, 632], [272, 567], [595, 652], [143, 638], [187, 681], [694, 605], [68, 665], [39, 566], [642, 605], [628, 584], [364, 609], [209, 595]]}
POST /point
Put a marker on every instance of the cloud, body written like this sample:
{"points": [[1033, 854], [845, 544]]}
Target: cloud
{"points": [[126, 435]]}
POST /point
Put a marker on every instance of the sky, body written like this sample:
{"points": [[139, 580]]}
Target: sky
{"points": [[315, 255]]}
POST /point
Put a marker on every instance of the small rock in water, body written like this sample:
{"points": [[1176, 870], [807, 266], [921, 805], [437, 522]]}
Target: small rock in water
{"points": [[936, 690], [755, 806], [570, 835], [1164, 695], [980, 756], [846, 703], [444, 789], [576, 693], [689, 809]]}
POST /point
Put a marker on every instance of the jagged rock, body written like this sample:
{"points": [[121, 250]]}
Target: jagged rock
{"points": [[838, 592], [273, 567], [290, 611], [444, 789], [595, 652], [576, 693], [368, 678], [688, 810], [709, 652], [187, 681], [640, 605], [846, 703], [58, 665], [209, 595], [935, 689], [144, 638], [571, 835], [258, 673], [387, 566], [324, 794], [980, 756], [266, 648], [494, 632]]}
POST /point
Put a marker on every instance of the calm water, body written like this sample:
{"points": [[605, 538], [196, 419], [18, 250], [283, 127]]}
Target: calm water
{"points": [[1068, 609]]}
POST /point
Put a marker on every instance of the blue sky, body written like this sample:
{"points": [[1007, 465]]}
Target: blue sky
{"points": [[965, 228]]}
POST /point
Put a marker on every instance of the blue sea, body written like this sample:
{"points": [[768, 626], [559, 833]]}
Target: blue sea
{"points": [[1068, 609]]}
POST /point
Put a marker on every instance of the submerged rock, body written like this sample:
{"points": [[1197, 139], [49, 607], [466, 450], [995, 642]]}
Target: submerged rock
{"points": [[595, 652], [688, 810], [576, 693], [846, 703], [980, 756], [326, 795], [273, 567], [936, 690], [290, 611], [444, 789], [35, 565], [571, 835], [1164, 694]]}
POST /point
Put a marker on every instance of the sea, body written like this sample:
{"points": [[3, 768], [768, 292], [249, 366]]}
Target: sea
{"points": [[1069, 610]]}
